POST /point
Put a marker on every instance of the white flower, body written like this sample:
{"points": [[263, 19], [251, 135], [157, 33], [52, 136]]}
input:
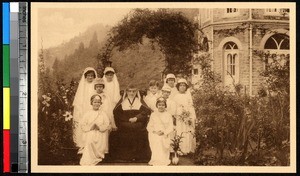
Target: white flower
{"points": [[68, 116], [46, 98], [45, 103]]}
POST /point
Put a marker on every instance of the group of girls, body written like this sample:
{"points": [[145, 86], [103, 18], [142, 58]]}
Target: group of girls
{"points": [[98, 108], [167, 106], [93, 118]]}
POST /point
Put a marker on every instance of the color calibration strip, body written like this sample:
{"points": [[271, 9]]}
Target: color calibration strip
{"points": [[23, 88], [6, 85], [14, 84], [15, 88]]}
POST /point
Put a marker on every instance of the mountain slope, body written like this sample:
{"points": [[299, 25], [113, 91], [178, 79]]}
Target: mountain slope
{"points": [[63, 50]]}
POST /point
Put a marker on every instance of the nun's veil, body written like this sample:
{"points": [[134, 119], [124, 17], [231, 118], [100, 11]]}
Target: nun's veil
{"points": [[80, 94]]}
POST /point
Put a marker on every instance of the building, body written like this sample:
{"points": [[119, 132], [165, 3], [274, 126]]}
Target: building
{"points": [[233, 38]]}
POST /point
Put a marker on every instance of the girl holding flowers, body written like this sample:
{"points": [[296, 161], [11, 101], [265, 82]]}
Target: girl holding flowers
{"points": [[185, 117]]}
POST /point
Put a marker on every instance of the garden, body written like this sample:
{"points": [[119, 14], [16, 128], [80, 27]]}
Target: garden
{"points": [[232, 128]]}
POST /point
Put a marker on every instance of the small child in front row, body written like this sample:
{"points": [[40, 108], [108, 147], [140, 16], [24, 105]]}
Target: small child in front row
{"points": [[152, 94], [106, 107], [94, 125], [159, 129]]}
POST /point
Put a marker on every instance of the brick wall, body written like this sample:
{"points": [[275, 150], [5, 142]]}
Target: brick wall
{"points": [[220, 15], [258, 65], [260, 14], [243, 44], [259, 31]]}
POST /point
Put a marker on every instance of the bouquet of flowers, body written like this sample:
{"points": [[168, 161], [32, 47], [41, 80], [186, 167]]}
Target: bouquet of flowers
{"points": [[185, 117]]}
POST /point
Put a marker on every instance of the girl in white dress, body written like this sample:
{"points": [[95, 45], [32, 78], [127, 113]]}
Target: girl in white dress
{"points": [[185, 126], [94, 125], [170, 81], [106, 106], [159, 129], [171, 105], [112, 87], [152, 94], [82, 103]]}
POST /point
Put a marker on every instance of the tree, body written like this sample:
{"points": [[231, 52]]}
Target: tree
{"points": [[43, 73], [94, 41], [173, 32], [55, 64], [80, 47]]}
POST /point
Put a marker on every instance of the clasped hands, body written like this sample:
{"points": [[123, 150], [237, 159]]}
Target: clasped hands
{"points": [[133, 120], [97, 128], [159, 133]]}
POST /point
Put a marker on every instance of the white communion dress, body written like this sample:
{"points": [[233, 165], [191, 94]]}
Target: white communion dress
{"points": [[95, 141], [160, 145], [184, 102]]}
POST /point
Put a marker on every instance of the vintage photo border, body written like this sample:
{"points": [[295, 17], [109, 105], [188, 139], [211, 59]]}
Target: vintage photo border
{"points": [[35, 168]]}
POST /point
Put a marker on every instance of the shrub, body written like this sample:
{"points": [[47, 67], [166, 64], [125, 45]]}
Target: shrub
{"points": [[236, 129], [55, 124]]}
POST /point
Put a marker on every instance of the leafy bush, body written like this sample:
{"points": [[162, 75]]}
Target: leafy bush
{"points": [[236, 129], [55, 124], [178, 43]]}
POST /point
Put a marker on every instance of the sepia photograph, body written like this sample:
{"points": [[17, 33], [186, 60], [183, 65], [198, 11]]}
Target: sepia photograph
{"points": [[163, 87]]}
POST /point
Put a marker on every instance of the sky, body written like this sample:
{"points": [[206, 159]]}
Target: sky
{"points": [[58, 25]]}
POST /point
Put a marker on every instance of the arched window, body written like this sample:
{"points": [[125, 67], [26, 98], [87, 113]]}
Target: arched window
{"points": [[231, 63], [278, 47], [278, 42]]}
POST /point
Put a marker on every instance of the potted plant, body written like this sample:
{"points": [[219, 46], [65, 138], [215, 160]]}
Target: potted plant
{"points": [[175, 144]]}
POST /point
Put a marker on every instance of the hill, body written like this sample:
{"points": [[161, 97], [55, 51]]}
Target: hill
{"points": [[138, 64], [63, 50]]}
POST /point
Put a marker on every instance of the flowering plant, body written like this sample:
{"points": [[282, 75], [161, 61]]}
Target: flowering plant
{"points": [[175, 144], [185, 116], [55, 120], [46, 102]]}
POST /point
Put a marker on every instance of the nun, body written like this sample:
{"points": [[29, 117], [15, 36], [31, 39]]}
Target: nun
{"points": [[129, 143]]}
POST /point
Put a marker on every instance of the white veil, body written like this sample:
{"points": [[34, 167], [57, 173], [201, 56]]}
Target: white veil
{"points": [[79, 96], [81, 103]]}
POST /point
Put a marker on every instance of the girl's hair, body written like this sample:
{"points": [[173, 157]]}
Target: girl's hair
{"points": [[161, 99], [178, 84], [99, 81], [99, 85], [153, 83], [108, 72], [169, 79], [90, 71], [94, 96]]}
